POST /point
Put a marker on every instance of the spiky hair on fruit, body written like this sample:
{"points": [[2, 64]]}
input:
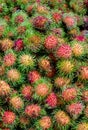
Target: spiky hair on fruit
{"points": [[42, 88], [82, 125], [19, 44], [83, 73]]}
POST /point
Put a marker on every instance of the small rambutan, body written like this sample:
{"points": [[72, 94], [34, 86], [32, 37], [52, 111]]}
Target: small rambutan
{"points": [[21, 29], [64, 51], [51, 100], [80, 38], [27, 91], [40, 22], [13, 75], [69, 94], [9, 59], [8, 117], [57, 16], [50, 72], [4, 88], [51, 42], [6, 44], [24, 120], [42, 9], [30, 9], [61, 81], [82, 126], [83, 72], [33, 110], [85, 96], [16, 102], [19, 45], [33, 76], [45, 122], [62, 118], [75, 109]]}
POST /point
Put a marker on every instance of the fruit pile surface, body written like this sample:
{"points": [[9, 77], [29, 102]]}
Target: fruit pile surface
{"points": [[43, 65]]}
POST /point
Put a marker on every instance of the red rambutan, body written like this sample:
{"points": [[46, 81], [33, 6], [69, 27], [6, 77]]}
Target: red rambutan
{"points": [[19, 45]]}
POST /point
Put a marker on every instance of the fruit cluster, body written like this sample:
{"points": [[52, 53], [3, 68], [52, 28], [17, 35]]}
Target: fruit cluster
{"points": [[43, 64]]}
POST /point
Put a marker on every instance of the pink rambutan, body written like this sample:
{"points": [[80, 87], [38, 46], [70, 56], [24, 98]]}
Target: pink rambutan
{"points": [[40, 22], [80, 38], [64, 51], [69, 94], [27, 91], [4, 88], [33, 76], [57, 17], [33, 110], [19, 19], [51, 42], [52, 100], [19, 45], [45, 122], [75, 109], [8, 117], [9, 59], [62, 118]]}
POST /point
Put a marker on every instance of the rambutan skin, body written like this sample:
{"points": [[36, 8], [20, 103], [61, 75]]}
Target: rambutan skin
{"points": [[33, 110], [52, 100], [8, 117], [51, 42]]}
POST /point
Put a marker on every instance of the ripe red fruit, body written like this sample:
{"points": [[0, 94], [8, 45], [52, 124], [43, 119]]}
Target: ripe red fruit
{"points": [[19, 45], [52, 100]]}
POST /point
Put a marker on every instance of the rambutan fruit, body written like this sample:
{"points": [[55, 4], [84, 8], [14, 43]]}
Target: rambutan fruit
{"points": [[45, 122], [16, 102], [19, 44], [42, 88], [70, 20], [33, 76], [42, 9], [57, 17], [51, 100], [33, 110], [41, 22], [61, 81], [26, 61], [86, 111], [2, 70], [51, 42], [30, 9], [82, 126], [8, 117], [14, 76], [4, 88], [6, 44], [27, 91], [65, 66], [85, 96], [19, 17], [9, 59], [83, 72], [69, 94], [75, 109], [80, 38], [62, 118], [64, 51], [24, 121]]}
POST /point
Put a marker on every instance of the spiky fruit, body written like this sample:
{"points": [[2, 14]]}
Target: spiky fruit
{"points": [[26, 61], [6, 44], [86, 111], [82, 126], [21, 29], [51, 42], [16, 102], [57, 16], [70, 20], [62, 118], [8, 117], [75, 109], [9, 59], [2, 70], [13, 75], [64, 51], [40, 22], [18, 45], [24, 120], [85, 96], [52, 100], [42, 9], [69, 94], [4, 88], [78, 50], [61, 81], [33, 110], [45, 122], [80, 38], [65, 66], [30, 9], [27, 91], [83, 72], [33, 76]]}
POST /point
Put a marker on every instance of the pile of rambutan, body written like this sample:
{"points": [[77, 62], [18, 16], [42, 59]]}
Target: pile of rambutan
{"points": [[43, 65]]}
